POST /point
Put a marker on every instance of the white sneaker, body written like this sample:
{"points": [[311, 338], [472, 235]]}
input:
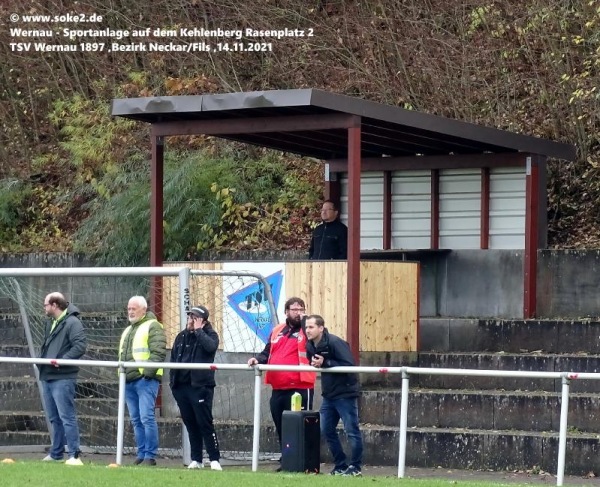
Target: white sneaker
{"points": [[195, 464], [215, 465], [48, 458], [74, 461]]}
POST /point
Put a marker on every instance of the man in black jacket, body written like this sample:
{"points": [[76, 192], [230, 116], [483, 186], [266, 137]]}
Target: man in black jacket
{"points": [[64, 338], [340, 395], [194, 389], [330, 239]]}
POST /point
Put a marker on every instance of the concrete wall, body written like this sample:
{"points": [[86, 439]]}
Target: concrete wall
{"points": [[472, 283], [489, 283], [454, 283], [568, 283]]}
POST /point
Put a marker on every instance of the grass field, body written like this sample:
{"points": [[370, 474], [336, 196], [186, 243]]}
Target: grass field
{"points": [[33, 474]]}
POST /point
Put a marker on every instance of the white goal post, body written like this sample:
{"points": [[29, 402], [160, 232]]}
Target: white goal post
{"points": [[101, 293]]}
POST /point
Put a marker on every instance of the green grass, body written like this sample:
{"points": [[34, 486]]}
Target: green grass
{"points": [[32, 474]]}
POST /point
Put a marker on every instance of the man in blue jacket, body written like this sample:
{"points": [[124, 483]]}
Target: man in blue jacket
{"points": [[340, 395], [194, 389], [64, 338]]}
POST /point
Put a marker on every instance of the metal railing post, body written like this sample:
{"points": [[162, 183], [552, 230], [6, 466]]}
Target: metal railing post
{"points": [[562, 436], [31, 347], [403, 422], [256, 432], [184, 307], [121, 416]]}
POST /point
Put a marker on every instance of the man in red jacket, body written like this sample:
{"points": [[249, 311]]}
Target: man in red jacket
{"points": [[287, 346]]}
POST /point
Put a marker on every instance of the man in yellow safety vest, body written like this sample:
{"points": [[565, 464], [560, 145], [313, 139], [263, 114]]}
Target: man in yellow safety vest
{"points": [[143, 341]]}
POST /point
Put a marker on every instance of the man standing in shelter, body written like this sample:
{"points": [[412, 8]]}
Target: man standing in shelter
{"points": [[143, 341], [64, 338], [193, 389], [340, 395], [287, 346], [330, 238]]}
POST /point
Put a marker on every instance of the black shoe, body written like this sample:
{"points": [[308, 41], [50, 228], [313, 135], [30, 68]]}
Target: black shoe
{"points": [[138, 461], [149, 462], [352, 471], [278, 469]]}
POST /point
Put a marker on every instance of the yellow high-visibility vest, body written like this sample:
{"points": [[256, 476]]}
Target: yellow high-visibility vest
{"points": [[140, 350]]}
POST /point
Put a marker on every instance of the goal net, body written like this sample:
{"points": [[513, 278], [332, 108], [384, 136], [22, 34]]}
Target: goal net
{"points": [[242, 309]]}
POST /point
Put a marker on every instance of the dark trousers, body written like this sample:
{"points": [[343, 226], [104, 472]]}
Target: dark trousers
{"points": [[281, 400], [195, 405]]}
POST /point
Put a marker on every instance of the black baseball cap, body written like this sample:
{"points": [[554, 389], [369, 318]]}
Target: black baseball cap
{"points": [[199, 311]]}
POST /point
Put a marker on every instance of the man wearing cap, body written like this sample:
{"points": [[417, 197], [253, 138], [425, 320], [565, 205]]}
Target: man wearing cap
{"points": [[193, 389], [143, 341]]}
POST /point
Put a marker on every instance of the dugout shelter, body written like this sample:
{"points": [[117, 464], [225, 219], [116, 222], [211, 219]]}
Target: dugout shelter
{"points": [[407, 182]]}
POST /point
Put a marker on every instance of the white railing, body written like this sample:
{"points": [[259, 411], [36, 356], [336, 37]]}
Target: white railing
{"points": [[406, 372]]}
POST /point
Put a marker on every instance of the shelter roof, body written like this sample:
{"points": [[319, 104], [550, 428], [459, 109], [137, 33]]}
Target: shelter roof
{"points": [[386, 131]]}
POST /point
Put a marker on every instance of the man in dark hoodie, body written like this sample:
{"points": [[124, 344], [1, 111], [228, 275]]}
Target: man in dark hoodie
{"points": [[64, 338], [194, 389], [330, 239], [340, 395]]}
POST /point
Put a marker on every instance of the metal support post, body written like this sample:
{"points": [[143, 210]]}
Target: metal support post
{"points": [[403, 422]]}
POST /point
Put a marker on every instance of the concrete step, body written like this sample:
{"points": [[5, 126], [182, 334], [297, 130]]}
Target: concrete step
{"points": [[102, 431], [510, 336], [482, 449], [458, 448], [531, 362], [22, 421], [493, 410], [97, 407], [19, 394], [93, 352], [538, 362], [22, 393]]}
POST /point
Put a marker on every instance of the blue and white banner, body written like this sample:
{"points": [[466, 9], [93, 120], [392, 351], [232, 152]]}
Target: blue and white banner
{"points": [[247, 321]]}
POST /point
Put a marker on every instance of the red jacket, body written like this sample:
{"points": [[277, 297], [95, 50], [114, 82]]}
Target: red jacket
{"points": [[288, 347]]}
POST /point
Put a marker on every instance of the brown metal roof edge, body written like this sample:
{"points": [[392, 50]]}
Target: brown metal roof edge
{"points": [[125, 107], [443, 125], [136, 107]]}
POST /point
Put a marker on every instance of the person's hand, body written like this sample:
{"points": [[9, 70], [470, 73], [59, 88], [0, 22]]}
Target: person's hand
{"points": [[53, 363], [253, 361], [317, 361]]}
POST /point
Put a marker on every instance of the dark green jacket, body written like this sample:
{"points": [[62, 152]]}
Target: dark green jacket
{"points": [[66, 341], [157, 343]]}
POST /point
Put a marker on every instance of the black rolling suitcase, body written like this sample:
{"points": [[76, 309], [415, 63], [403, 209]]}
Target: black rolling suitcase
{"points": [[301, 441]]}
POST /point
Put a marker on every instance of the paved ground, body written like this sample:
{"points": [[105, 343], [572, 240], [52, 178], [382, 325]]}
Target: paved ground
{"points": [[368, 470]]}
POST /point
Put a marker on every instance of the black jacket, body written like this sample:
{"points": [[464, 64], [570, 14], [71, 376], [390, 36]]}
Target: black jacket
{"points": [[66, 341], [199, 346], [329, 241], [336, 353]]}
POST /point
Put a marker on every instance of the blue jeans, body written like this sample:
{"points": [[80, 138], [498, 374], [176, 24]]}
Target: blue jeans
{"points": [[59, 398], [345, 409], [140, 396]]}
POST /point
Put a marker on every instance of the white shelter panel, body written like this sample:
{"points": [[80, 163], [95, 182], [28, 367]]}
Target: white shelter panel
{"points": [[371, 209], [460, 208], [507, 208], [411, 209]]}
